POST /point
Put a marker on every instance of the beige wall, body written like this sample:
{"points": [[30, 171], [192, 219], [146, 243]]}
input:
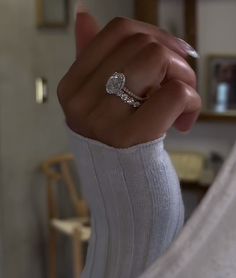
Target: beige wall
{"points": [[29, 132]]}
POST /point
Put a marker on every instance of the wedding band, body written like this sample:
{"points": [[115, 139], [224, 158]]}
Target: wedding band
{"points": [[116, 86]]}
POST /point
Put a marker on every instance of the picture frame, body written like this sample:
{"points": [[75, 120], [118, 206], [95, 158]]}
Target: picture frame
{"points": [[52, 13], [221, 84]]}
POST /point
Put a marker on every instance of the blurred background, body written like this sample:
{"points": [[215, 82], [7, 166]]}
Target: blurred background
{"points": [[36, 49]]}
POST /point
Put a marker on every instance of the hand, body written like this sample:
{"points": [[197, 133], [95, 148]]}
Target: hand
{"points": [[154, 64]]}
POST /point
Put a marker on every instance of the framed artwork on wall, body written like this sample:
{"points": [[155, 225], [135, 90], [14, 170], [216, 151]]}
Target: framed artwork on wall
{"points": [[52, 13], [221, 83]]}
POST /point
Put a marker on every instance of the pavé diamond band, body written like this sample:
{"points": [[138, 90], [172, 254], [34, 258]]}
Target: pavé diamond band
{"points": [[116, 86]]}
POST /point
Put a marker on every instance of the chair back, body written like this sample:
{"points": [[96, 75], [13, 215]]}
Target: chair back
{"points": [[58, 169]]}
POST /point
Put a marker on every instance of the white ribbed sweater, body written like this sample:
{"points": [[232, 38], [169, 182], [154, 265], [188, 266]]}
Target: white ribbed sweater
{"points": [[135, 202]]}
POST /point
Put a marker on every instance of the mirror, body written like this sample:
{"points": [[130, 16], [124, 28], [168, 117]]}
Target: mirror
{"points": [[221, 91]]}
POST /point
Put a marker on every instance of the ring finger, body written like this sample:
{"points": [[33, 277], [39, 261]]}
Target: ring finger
{"points": [[146, 72]]}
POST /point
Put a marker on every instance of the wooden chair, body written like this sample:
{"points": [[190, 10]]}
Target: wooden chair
{"points": [[57, 170]]}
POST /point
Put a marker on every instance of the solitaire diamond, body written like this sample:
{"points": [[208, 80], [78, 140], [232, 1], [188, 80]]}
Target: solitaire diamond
{"points": [[115, 83], [116, 86]]}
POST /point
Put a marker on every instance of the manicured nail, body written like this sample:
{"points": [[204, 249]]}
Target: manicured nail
{"points": [[188, 48], [80, 8]]}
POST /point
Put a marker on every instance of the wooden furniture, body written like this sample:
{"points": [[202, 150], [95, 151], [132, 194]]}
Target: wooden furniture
{"points": [[57, 170], [189, 165], [195, 178], [192, 170]]}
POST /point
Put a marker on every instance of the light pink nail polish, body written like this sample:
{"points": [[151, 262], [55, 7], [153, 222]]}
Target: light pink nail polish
{"points": [[80, 7], [188, 48]]}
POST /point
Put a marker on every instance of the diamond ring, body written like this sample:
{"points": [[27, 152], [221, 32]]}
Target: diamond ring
{"points": [[116, 86]]}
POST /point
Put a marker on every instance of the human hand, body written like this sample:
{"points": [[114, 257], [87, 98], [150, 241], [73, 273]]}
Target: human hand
{"points": [[153, 62]]}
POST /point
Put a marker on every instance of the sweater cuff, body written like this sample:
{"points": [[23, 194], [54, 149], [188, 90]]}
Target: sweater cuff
{"points": [[76, 137]]}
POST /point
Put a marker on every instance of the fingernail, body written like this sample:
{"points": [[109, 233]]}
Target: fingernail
{"points": [[80, 8], [188, 48]]}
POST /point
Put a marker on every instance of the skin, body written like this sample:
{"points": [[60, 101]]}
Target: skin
{"points": [[155, 65]]}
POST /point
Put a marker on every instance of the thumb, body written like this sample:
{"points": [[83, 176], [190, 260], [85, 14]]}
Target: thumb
{"points": [[86, 28]]}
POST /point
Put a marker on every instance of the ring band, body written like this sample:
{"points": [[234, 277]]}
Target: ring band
{"points": [[126, 90], [116, 86]]}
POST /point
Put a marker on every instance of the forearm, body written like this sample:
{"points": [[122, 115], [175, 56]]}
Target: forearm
{"points": [[135, 202]]}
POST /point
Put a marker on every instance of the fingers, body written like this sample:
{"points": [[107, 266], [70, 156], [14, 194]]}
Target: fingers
{"points": [[121, 28], [105, 42], [186, 121], [155, 65], [154, 60], [86, 28], [174, 102], [146, 64], [114, 34], [146, 71]]}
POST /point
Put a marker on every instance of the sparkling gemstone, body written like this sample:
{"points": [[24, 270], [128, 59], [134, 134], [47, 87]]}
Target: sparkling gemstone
{"points": [[136, 104], [130, 101], [115, 83], [124, 97]]}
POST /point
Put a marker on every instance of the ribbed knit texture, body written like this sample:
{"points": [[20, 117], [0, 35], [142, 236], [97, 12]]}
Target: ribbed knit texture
{"points": [[135, 202]]}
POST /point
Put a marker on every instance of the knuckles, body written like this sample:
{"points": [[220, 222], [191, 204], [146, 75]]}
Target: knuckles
{"points": [[98, 125], [119, 24], [157, 50], [143, 39], [178, 85], [180, 90], [185, 94]]}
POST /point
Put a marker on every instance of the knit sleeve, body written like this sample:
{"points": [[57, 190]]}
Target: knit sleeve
{"points": [[135, 202]]}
